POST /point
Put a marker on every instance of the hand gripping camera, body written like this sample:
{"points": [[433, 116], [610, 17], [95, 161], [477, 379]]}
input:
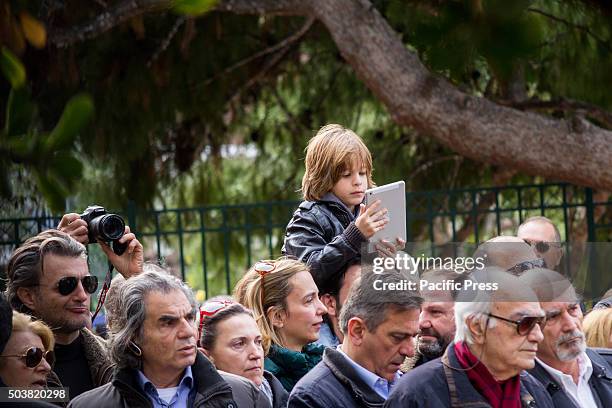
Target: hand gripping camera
{"points": [[104, 226]]}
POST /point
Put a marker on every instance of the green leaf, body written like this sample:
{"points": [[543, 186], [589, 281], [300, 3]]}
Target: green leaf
{"points": [[77, 113], [55, 194], [19, 112], [67, 167], [20, 146], [193, 7], [12, 68]]}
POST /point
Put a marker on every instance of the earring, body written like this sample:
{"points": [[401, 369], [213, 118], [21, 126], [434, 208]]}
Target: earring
{"points": [[135, 349]]}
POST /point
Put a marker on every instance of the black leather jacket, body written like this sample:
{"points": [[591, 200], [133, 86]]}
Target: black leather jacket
{"points": [[323, 235]]}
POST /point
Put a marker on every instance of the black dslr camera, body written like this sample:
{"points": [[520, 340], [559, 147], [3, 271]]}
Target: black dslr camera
{"points": [[104, 226]]}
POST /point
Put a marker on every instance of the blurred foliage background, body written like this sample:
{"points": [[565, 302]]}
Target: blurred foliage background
{"points": [[195, 107]]}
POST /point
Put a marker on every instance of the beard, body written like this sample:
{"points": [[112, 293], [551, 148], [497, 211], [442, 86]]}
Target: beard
{"points": [[566, 349], [436, 348]]}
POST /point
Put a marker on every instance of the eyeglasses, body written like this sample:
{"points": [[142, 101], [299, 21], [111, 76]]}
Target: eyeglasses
{"points": [[519, 268], [541, 246], [263, 268], [525, 324], [209, 309], [68, 284], [34, 355]]}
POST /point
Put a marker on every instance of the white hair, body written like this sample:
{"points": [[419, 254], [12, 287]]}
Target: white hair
{"points": [[465, 311]]}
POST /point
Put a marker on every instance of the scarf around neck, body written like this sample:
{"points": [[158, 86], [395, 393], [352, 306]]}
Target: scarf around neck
{"points": [[289, 366], [504, 394]]}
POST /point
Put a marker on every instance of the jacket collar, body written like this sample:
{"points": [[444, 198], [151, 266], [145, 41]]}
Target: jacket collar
{"points": [[207, 381], [462, 392], [347, 375]]}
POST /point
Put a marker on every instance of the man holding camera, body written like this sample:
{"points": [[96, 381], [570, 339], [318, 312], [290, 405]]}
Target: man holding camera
{"points": [[48, 277]]}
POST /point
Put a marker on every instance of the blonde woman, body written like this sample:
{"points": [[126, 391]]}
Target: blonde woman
{"points": [[28, 356], [597, 326], [285, 301]]}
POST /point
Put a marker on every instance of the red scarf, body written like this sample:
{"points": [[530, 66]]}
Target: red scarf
{"points": [[505, 394]]}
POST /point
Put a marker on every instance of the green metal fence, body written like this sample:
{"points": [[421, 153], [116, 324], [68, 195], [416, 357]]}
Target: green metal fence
{"points": [[212, 246]]}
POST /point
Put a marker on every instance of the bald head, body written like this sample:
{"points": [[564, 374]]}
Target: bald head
{"points": [[542, 230], [505, 252]]}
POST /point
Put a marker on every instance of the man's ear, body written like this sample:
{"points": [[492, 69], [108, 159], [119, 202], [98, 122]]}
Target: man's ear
{"points": [[356, 330], [277, 316], [27, 297], [330, 303], [476, 329]]}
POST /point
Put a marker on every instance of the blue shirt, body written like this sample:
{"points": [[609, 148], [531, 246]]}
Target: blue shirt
{"points": [[381, 386], [327, 337], [180, 398]]}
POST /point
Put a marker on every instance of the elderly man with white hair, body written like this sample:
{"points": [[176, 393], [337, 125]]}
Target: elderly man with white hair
{"points": [[496, 340]]}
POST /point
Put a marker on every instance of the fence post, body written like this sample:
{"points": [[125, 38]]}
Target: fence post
{"points": [[590, 214]]}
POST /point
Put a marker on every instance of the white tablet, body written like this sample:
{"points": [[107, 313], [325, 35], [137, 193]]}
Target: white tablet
{"points": [[393, 198]]}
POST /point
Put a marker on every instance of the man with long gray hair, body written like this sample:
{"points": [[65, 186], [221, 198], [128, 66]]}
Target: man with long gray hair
{"points": [[379, 321], [498, 329]]}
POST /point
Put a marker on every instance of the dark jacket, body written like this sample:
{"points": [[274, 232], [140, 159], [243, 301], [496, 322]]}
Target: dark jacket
{"points": [[323, 235], [97, 355], [289, 366], [600, 381], [279, 394], [435, 385], [211, 390], [333, 383]]}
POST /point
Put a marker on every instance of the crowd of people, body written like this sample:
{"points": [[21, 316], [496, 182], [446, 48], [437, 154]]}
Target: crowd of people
{"points": [[310, 328]]}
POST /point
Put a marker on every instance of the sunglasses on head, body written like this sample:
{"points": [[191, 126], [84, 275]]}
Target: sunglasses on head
{"points": [[263, 268], [34, 355], [525, 324], [209, 309], [541, 246], [68, 284], [519, 268]]}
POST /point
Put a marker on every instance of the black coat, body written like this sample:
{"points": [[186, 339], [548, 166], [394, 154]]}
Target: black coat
{"points": [[323, 235], [333, 383], [279, 394], [600, 381], [428, 386], [125, 391]]}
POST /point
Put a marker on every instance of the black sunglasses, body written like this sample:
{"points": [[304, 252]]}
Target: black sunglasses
{"points": [[525, 324], [541, 246], [68, 284], [34, 355], [519, 268]]}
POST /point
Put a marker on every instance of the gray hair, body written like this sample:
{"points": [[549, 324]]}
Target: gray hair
{"points": [[26, 264], [131, 312], [372, 304]]}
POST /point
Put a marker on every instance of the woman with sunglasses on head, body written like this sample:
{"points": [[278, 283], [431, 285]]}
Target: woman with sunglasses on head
{"points": [[28, 356], [285, 301], [229, 336]]}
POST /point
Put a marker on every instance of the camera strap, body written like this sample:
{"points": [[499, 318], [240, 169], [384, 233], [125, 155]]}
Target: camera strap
{"points": [[105, 287]]}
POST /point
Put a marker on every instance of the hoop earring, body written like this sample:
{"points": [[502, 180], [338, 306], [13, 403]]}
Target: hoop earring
{"points": [[135, 349]]}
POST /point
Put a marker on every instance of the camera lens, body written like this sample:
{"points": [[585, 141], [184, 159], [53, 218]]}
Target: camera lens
{"points": [[111, 227]]}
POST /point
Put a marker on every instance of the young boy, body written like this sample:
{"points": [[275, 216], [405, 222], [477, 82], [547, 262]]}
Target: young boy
{"points": [[328, 228]]}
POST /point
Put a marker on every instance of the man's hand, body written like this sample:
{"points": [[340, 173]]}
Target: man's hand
{"points": [[130, 262], [370, 219], [73, 225]]}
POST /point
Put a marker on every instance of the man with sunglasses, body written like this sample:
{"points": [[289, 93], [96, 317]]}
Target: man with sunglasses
{"points": [[48, 277], [544, 237], [496, 339], [573, 374]]}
